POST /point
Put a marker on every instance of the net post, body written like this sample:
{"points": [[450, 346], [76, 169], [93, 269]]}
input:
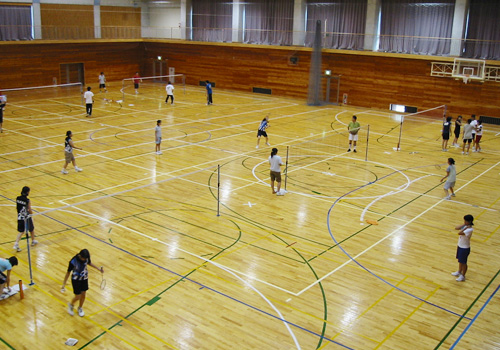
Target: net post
{"points": [[218, 190], [398, 148], [184, 82], [26, 230], [123, 89], [286, 166], [367, 138], [21, 291]]}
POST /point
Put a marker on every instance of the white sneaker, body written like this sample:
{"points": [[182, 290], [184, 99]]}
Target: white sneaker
{"points": [[16, 247], [456, 273], [78, 169], [64, 171], [159, 152], [453, 195], [460, 278], [257, 146], [267, 143], [463, 152], [466, 153], [80, 312], [447, 198], [70, 310], [4, 296], [34, 242]]}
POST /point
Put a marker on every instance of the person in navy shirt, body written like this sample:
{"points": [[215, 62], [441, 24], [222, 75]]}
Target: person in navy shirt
{"points": [[209, 92]]}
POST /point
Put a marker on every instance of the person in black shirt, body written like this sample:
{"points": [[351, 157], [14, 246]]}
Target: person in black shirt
{"points": [[24, 213], [446, 133], [2, 105], [79, 279], [69, 157]]}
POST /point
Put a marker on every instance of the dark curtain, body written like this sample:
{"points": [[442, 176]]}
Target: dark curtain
{"points": [[15, 23], [416, 27], [343, 23], [482, 39], [268, 22], [212, 20]]}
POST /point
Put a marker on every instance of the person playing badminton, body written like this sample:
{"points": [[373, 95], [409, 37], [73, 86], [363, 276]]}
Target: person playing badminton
{"points": [[353, 129], [137, 79], [451, 177], [69, 157], [6, 265], [264, 124], [170, 92], [79, 279], [275, 173], [24, 212], [208, 86]]}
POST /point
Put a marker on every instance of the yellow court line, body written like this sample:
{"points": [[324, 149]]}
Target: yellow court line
{"points": [[491, 234], [405, 319]]}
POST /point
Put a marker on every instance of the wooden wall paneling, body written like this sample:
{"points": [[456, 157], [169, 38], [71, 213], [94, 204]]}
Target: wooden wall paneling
{"points": [[120, 22], [61, 21]]}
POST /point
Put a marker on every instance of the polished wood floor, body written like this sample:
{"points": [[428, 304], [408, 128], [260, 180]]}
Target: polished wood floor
{"points": [[300, 271]]}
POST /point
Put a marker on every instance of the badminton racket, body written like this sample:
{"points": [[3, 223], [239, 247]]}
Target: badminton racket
{"points": [[103, 281]]}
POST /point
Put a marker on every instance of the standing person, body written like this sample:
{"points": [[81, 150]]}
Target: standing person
{"points": [[467, 136], [79, 279], [158, 137], [275, 172], [264, 124], [24, 212], [353, 129], [463, 249], [68, 153], [445, 133], [208, 85], [102, 82], [6, 265], [458, 124], [474, 125], [2, 105], [451, 175], [137, 79], [479, 135], [170, 92], [89, 100]]}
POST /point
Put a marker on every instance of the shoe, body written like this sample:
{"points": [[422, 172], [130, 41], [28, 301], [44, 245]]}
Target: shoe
{"points": [[16, 247], [456, 273], [70, 310], [257, 146], [355, 151], [159, 152], [447, 198], [4, 296], [78, 169], [349, 150], [267, 143], [466, 153], [34, 242], [80, 312], [453, 195], [460, 278], [463, 152], [64, 171]]}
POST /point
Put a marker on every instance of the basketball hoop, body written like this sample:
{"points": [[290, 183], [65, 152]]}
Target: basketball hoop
{"points": [[466, 78]]}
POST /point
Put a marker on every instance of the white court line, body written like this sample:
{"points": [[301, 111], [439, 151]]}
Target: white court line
{"points": [[389, 235]]}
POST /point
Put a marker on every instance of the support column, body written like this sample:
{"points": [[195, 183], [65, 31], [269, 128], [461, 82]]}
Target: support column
{"points": [[299, 22], [371, 26], [237, 27], [97, 19], [186, 19], [458, 27], [37, 20]]}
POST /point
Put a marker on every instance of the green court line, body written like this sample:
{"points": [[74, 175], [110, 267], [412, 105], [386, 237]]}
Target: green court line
{"points": [[206, 254], [110, 230], [466, 311], [182, 279], [110, 240], [10, 346], [316, 192], [176, 258], [147, 257], [153, 300]]}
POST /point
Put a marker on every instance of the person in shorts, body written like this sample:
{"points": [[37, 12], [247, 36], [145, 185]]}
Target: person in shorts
{"points": [[463, 248], [353, 129], [6, 265], [467, 136], [77, 268], [208, 86], [158, 137], [264, 124], [275, 171], [102, 82], [479, 135], [445, 133], [2, 105], [24, 212], [451, 175], [458, 124], [137, 79], [170, 92], [69, 157]]}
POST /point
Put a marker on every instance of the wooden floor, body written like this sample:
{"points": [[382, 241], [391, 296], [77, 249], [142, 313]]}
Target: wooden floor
{"points": [[300, 271]]}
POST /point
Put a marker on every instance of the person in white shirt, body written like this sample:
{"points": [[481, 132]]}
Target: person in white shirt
{"points": [[275, 173], [474, 125], [170, 92], [479, 135], [158, 137], [463, 249], [89, 100], [102, 82]]}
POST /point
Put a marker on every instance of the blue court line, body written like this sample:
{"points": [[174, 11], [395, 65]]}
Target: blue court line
{"points": [[195, 282], [365, 268], [475, 318]]}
